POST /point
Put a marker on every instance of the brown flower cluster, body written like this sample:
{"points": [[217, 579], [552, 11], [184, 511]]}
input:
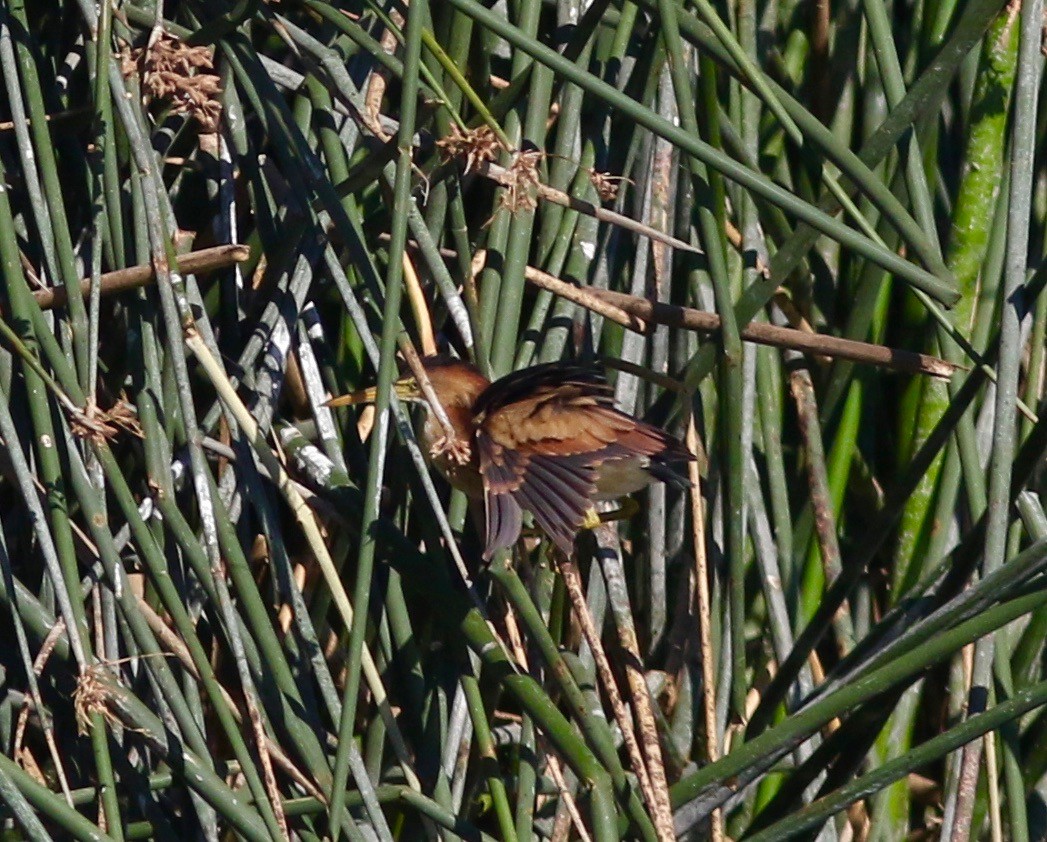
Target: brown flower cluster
{"points": [[521, 182], [476, 146], [102, 426], [606, 184], [92, 696], [176, 73]]}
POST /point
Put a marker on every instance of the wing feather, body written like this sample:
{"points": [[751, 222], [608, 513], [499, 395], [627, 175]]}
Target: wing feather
{"points": [[542, 435], [504, 521], [560, 506], [557, 529]]}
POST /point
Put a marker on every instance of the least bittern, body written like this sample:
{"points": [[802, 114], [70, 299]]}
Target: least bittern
{"points": [[547, 440]]}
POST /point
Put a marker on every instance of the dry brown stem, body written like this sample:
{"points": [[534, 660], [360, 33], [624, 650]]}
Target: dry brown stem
{"points": [[702, 602], [639, 692], [195, 262], [573, 585], [897, 359]]}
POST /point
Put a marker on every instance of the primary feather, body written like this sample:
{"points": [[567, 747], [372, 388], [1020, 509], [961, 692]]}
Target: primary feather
{"points": [[551, 439]]}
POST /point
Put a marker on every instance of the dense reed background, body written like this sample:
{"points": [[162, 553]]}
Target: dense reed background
{"points": [[229, 610]]}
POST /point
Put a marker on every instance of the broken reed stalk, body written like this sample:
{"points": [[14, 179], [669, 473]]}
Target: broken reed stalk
{"points": [[627, 310], [193, 263], [635, 313]]}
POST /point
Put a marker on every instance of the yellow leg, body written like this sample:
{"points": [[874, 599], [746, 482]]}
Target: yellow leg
{"points": [[628, 509]]}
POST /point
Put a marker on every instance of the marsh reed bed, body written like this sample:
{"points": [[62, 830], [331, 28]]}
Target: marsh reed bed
{"points": [[805, 237]]}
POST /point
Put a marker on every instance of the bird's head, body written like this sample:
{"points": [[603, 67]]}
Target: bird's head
{"points": [[457, 385]]}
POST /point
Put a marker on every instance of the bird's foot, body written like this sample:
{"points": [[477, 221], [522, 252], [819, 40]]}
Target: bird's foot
{"points": [[628, 509], [456, 449]]}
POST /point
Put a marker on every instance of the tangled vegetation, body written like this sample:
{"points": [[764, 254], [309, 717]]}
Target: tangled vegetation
{"points": [[806, 238]]}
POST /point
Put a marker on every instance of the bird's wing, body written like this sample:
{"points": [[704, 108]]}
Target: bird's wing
{"points": [[557, 491], [541, 452], [503, 517]]}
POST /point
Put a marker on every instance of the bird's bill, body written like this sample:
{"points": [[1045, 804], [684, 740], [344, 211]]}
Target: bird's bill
{"points": [[406, 389]]}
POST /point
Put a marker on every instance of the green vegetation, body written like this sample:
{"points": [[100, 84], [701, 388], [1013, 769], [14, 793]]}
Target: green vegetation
{"points": [[233, 611]]}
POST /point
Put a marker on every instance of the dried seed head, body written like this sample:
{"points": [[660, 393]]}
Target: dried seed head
{"points": [[93, 426], [475, 146], [606, 184], [92, 696], [521, 182], [100, 426], [124, 416], [178, 74]]}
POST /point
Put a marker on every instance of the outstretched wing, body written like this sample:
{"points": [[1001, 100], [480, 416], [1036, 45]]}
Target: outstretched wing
{"points": [[542, 435], [557, 492]]}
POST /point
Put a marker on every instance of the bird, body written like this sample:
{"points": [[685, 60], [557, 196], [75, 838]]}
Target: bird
{"points": [[547, 439]]}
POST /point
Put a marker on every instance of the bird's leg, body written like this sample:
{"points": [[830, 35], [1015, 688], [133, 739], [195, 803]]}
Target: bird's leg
{"points": [[627, 510], [592, 519]]}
